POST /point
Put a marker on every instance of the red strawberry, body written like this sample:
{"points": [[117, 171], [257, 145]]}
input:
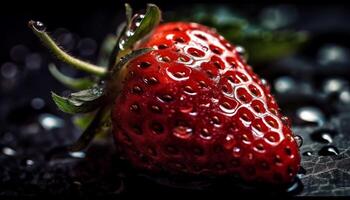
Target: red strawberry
{"points": [[193, 106], [190, 107]]}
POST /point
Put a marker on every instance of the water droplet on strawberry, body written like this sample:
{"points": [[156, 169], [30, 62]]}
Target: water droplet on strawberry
{"points": [[229, 141], [182, 132], [205, 134], [299, 140], [186, 109], [195, 52], [178, 73], [227, 107], [241, 51], [236, 152]]}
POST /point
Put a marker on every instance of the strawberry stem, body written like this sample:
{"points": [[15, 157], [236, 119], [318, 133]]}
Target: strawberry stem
{"points": [[39, 30], [100, 120]]}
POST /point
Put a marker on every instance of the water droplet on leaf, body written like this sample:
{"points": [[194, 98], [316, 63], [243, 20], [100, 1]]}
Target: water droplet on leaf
{"points": [[39, 26]]}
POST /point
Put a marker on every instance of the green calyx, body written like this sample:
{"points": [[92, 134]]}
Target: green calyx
{"points": [[95, 94]]}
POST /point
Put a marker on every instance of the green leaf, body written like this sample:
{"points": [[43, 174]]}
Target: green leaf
{"points": [[115, 51], [127, 58], [261, 44], [72, 83], [134, 30], [80, 102], [139, 29], [106, 50], [82, 121], [88, 95], [128, 13]]}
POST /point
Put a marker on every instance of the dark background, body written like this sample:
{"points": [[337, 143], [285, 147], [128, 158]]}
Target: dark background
{"points": [[97, 18]]}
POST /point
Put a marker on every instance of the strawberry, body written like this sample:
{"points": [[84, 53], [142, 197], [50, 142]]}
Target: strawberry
{"points": [[194, 106], [189, 105]]}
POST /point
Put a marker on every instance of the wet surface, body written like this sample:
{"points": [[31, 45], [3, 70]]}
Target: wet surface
{"points": [[311, 88]]}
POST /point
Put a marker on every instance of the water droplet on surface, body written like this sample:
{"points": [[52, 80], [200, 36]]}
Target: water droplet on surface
{"points": [[77, 154], [333, 85], [77, 185], [18, 53], [295, 187], [32, 128], [344, 96], [278, 16], [284, 84], [299, 140], [183, 132], [9, 70], [37, 103], [323, 136], [328, 151], [29, 162], [33, 61], [308, 153], [311, 115], [8, 151], [49, 121], [333, 54]]}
